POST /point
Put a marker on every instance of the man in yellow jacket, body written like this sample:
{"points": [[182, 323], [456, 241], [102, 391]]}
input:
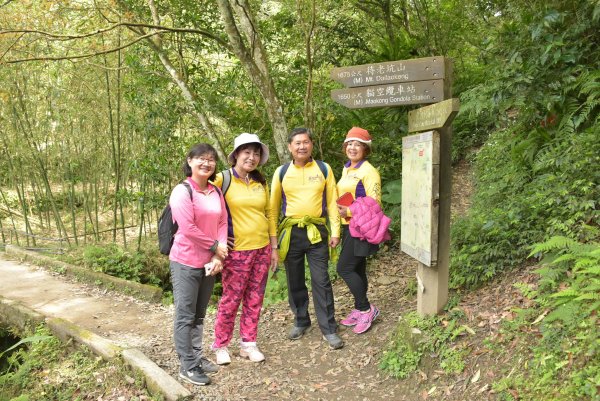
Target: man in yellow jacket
{"points": [[305, 193]]}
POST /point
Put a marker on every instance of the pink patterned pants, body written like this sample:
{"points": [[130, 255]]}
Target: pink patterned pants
{"points": [[244, 279]]}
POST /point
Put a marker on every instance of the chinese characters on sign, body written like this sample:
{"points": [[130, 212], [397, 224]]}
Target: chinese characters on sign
{"points": [[422, 69], [390, 95], [432, 117]]}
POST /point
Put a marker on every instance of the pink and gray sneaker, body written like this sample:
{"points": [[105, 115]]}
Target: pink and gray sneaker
{"points": [[351, 319], [364, 320]]}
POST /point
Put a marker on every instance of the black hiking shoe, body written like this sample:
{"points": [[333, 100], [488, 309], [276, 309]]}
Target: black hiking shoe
{"points": [[195, 376]]}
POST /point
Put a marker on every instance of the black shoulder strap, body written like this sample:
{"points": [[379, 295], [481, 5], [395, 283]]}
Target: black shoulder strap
{"points": [[323, 167], [285, 167], [189, 188], [226, 181], [283, 170]]}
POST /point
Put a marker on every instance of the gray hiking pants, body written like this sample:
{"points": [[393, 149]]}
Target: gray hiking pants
{"points": [[191, 292]]}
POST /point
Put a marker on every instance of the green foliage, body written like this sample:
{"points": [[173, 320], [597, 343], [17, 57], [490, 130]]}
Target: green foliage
{"points": [[113, 260], [276, 290], [391, 197], [416, 337], [536, 174], [42, 368], [569, 279], [146, 266], [564, 360]]}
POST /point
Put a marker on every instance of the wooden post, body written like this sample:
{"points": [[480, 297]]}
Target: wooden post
{"points": [[434, 280]]}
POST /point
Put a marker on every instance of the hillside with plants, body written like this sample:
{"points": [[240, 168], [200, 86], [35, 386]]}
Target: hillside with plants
{"points": [[99, 102]]}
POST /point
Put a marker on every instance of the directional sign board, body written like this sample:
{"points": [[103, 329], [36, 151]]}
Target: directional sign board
{"points": [[434, 116], [420, 192], [390, 95], [419, 69]]}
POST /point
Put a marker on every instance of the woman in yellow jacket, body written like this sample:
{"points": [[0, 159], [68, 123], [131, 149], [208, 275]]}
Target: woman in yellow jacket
{"points": [[359, 178], [245, 270]]}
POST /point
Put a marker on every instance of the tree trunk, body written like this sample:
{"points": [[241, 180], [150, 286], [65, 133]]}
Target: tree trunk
{"points": [[253, 58], [188, 94], [34, 146], [309, 108]]}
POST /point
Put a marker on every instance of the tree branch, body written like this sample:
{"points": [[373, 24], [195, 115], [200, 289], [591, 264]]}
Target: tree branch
{"points": [[11, 46], [6, 3], [80, 56], [163, 29]]}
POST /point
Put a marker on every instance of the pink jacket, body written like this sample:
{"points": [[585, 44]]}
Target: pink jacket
{"points": [[201, 221], [368, 221]]}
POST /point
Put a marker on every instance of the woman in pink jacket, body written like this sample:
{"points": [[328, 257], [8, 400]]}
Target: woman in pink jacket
{"points": [[359, 179], [197, 254]]}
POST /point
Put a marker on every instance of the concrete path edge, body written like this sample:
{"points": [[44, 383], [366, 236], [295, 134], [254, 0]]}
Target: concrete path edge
{"points": [[142, 291], [17, 316]]}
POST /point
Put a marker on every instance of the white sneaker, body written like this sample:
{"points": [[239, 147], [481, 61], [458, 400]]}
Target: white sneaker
{"points": [[251, 351], [222, 356]]}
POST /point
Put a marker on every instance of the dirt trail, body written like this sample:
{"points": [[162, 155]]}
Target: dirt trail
{"points": [[301, 370]]}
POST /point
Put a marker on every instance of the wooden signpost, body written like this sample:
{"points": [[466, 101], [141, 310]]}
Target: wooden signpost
{"points": [[390, 94], [419, 69], [426, 158]]}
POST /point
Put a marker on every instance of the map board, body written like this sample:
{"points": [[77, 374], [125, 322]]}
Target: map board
{"points": [[420, 196]]}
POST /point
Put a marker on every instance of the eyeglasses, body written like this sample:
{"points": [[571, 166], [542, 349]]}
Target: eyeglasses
{"points": [[202, 160]]}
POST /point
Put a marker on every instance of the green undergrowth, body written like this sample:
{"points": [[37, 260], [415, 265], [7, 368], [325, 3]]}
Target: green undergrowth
{"points": [[433, 340], [562, 327], [41, 368], [537, 175], [146, 266]]}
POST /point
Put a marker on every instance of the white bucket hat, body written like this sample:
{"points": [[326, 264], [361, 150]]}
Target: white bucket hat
{"points": [[245, 138]]}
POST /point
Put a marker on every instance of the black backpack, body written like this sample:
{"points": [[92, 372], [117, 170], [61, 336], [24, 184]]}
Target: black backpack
{"points": [[167, 227]]}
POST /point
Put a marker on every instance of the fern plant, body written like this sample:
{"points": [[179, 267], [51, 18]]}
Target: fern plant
{"points": [[570, 277]]}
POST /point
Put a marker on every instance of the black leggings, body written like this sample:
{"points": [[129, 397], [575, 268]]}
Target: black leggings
{"points": [[353, 269]]}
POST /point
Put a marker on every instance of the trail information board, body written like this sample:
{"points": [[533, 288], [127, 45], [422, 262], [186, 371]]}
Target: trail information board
{"points": [[420, 195]]}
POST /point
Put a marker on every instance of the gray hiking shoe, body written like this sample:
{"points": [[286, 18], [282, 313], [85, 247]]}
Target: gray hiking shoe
{"points": [[335, 341], [208, 366], [297, 332], [195, 376]]}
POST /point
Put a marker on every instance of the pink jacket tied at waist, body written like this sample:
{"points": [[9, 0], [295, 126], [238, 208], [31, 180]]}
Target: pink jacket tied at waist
{"points": [[368, 221]]}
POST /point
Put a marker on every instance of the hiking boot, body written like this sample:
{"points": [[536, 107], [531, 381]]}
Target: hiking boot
{"points": [[222, 356], [335, 342], [208, 366], [297, 332], [365, 320], [251, 351], [352, 318], [195, 376]]}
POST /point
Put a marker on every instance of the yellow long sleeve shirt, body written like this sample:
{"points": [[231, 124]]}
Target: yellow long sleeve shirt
{"points": [[361, 180], [305, 192], [250, 222]]}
